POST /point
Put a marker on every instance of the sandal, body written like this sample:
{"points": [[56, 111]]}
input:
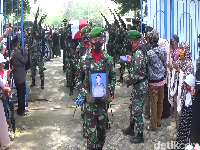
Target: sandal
{"points": [[150, 129]]}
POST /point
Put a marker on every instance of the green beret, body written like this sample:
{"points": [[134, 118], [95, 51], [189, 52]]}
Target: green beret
{"points": [[84, 30], [129, 25], [133, 34], [96, 32]]}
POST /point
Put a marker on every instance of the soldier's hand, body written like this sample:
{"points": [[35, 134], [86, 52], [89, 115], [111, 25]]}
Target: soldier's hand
{"points": [[129, 58], [124, 77]]}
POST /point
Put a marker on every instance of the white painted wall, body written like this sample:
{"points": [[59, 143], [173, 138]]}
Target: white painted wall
{"points": [[187, 28]]}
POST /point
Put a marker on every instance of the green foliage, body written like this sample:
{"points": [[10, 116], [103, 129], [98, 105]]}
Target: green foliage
{"points": [[26, 8], [88, 10], [127, 5]]}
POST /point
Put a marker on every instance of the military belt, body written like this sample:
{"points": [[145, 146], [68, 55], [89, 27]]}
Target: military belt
{"points": [[141, 80]]}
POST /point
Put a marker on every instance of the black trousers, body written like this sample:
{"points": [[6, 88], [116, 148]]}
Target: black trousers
{"points": [[21, 98]]}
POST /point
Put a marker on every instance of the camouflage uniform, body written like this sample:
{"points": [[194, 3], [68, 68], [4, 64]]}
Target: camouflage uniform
{"points": [[37, 57], [110, 45], [95, 115], [124, 51], [71, 61], [139, 80], [64, 44], [81, 50]]}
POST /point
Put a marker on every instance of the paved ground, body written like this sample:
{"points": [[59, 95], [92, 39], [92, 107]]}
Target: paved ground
{"points": [[50, 124]]}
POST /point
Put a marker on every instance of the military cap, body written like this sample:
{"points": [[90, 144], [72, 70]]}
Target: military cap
{"points": [[154, 35], [65, 20], [84, 30], [96, 32], [133, 34]]}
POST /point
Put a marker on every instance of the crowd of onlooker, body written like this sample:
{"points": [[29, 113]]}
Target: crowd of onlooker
{"points": [[15, 64], [171, 85]]}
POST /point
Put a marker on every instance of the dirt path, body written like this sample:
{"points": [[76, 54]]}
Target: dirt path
{"points": [[51, 125]]}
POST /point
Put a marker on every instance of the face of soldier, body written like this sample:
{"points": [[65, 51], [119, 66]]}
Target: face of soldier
{"points": [[98, 80], [86, 37], [96, 43]]}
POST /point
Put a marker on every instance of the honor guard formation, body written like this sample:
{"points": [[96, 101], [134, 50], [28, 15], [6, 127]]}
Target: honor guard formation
{"points": [[159, 72]]}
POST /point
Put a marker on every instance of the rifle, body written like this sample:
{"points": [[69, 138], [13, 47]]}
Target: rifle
{"points": [[116, 21], [121, 20], [107, 23], [35, 25]]}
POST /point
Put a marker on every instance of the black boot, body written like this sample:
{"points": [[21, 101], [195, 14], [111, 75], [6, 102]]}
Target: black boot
{"points": [[33, 83], [129, 130], [42, 84], [120, 79], [71, 91], [138, 139]]}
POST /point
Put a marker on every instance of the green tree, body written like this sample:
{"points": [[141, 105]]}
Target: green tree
{"points": [[88, 10], [26, 8], [57, 20], [128, 5]]}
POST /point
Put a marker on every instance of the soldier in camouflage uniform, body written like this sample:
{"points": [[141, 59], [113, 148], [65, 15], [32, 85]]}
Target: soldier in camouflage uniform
{"points": [[36, 54], [63, 43], [139, 80], [96, 110], [71, 61], [82, 49], [126, 50], [84, 46]]}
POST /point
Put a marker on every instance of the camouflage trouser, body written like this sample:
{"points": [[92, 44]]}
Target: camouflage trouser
{"points": [[37, 60], [83, 107], [64, 57], [122, 67], [136, 109], [70, 72], [96, 130]]}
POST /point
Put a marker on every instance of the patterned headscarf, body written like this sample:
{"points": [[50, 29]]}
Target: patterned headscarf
{"points": [[165, 43], [186, 66]]}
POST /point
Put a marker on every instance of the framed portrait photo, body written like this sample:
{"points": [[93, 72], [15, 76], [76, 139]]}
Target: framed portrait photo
{"points": [[98, 84]]}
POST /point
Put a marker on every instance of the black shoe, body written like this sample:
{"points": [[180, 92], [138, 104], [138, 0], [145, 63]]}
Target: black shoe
{"points": [[45, 68], [129, 130], [42, 84], [71, 91], [33, 83], [138, 139], [120, 79], [99, 148]]}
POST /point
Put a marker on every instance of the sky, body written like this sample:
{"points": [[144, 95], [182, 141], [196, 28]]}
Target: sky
{"points": [[52, 7]]}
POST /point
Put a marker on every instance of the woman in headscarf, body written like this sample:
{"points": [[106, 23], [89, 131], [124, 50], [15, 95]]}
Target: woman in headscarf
{"points": [[195, 124], [166, 104], [181, 68], [186, 115]]}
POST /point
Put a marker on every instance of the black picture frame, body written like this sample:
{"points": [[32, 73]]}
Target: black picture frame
{"points": [[92, 76]]}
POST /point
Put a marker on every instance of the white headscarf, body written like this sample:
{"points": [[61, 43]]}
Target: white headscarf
{"points": [[165, 43]]}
